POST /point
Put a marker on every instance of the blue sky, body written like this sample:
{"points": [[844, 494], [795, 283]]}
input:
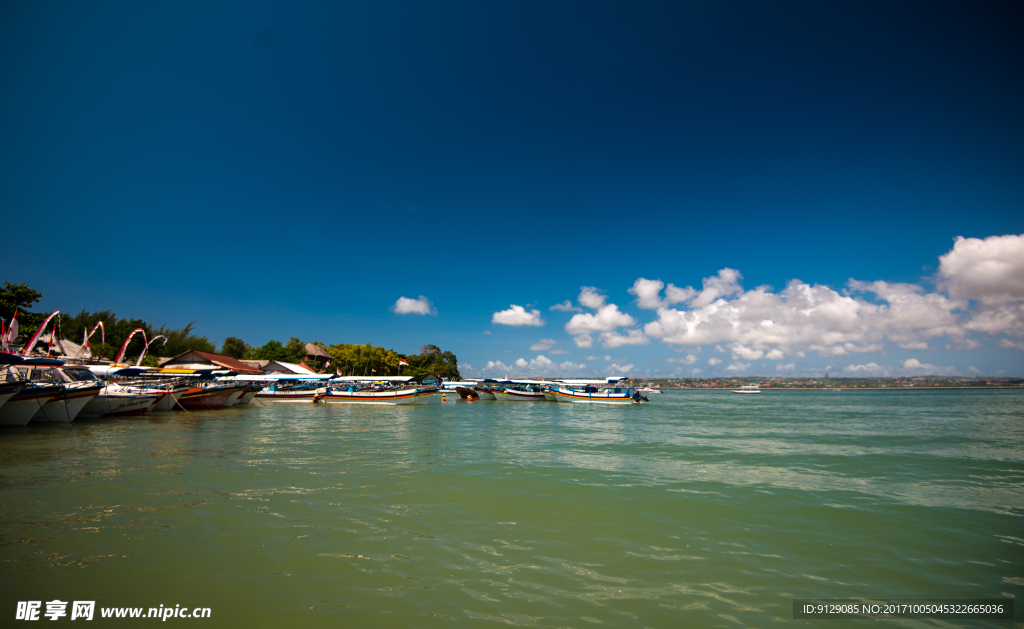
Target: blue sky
{"points": [[274, 170]]}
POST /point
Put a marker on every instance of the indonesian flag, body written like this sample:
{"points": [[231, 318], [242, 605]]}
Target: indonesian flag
{"points": [[327, 365], [373, 371], [402, 361], [12, 330]]}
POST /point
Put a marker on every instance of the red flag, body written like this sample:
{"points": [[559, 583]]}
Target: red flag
{"points": [[402, 361]]}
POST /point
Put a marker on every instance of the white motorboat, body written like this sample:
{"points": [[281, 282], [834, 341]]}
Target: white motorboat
{"points": [[78, 387], [748, 389], [9, 390], [20, 408]]}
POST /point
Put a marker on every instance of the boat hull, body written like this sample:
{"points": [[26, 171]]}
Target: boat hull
{"points": [[65, 406], [594, 398], [136, 406], [169, 402], [467, 394], [300, 395], [102, 404], [18, 410], [406, 396], [207, 399], [512, 395], [6, 395], [485, 394], [233, 398]]}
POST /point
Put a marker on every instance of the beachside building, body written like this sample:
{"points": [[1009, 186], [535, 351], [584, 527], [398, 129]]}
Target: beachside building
{"points": [[316, 356], [194, 359], [279, 366]]}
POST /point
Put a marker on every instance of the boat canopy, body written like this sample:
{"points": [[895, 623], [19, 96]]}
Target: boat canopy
{"points": [[608, 380], [41, 362], [274, 377], [10, 359], [527, 381], [372, 379], [155, 372]]}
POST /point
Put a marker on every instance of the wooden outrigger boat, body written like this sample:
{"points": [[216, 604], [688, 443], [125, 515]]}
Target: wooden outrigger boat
{"points": [[521, 391], [605, 391], [379, 390], [210, 398]]}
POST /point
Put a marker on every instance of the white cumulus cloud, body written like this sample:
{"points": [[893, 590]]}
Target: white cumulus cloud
{"points": [[689, 360], [913, 365], [420, 306], [714, 361], [583, 340], [566, 306], [738, 366], [868, 368], [607, 318], [746, 353], [536, 367], [990, 271], [803, 316], [632, 337], [602, 323], [543, 344], [591, 297], [620, 370], [517, 316], [789, 367]]}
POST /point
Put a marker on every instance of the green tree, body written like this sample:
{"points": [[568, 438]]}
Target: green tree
{"points": [[16, 297], [272, 350], [296, 350], [234, 347], [432, 360]]}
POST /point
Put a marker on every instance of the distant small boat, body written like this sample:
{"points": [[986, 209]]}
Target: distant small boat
{"points": [[748, 388], [649, 390]]}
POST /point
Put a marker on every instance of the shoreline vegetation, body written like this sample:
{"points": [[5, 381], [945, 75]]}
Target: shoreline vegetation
{"points": [[346, 358]]}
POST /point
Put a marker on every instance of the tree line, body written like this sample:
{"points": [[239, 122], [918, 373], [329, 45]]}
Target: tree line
{"points": [[347, 358]]}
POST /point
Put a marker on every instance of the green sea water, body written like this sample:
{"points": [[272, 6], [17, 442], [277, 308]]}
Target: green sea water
{"points": [[697, 510]]}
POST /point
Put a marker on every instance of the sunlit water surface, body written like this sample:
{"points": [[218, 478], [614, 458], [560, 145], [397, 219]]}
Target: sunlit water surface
{"points": [[699, 509]]}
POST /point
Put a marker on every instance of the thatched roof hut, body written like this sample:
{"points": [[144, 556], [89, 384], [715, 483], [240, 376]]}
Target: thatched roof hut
{"points": [[317, 352]]}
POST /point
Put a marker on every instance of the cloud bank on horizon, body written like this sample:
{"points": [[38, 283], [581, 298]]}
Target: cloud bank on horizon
{"points": [[979, 298]]}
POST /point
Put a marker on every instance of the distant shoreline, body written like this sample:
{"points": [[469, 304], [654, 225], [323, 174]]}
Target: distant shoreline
{"points": [[838, 389]]}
